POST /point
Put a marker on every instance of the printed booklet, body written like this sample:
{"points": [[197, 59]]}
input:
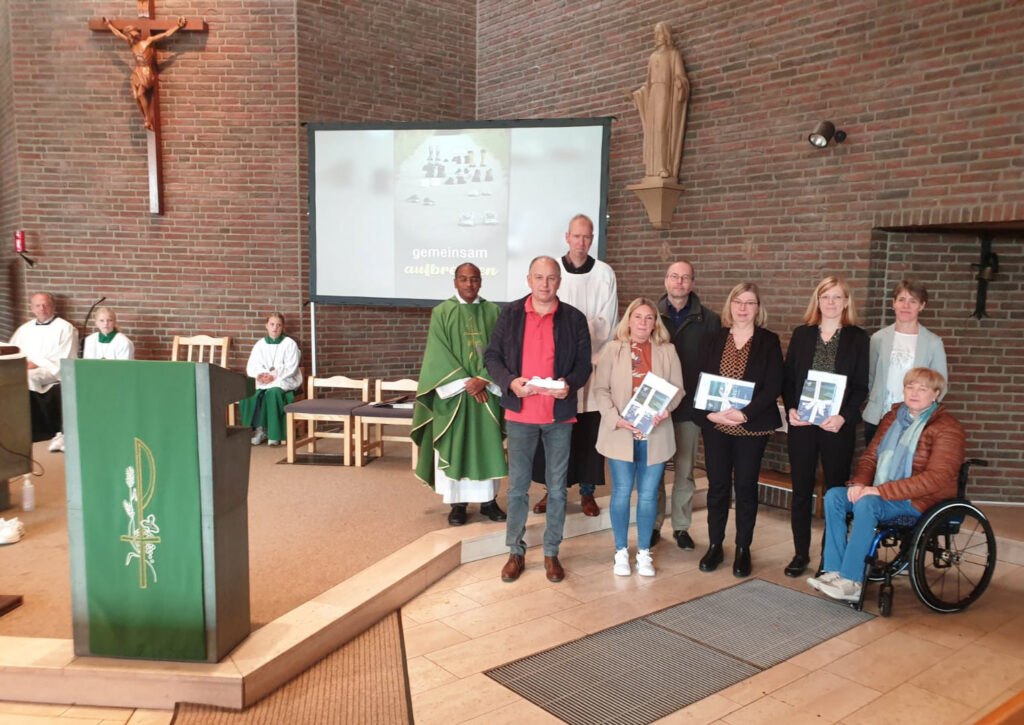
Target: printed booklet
{"points": [[821, 397], [650, 399], [715, 393]]}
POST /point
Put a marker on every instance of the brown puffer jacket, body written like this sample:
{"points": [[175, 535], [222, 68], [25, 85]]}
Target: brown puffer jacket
{"points": [[940, 451]]}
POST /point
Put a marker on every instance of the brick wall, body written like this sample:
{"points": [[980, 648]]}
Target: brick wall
{"points": [[408, 61], [930, 93], [232, 243], [10, 265], [228, 104]]}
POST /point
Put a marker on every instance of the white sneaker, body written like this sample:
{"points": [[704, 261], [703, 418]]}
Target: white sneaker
{"points": [[11, 531], [57, 443], [622, 563], [644, 564], [272, 442], [259, 437], [845, 590], [829, 577]]}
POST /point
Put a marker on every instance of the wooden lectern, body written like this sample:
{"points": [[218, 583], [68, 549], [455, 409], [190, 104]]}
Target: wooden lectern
{"points": [[157, 510]]}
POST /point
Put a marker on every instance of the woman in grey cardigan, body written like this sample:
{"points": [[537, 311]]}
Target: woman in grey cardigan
{"points": [[896, 349]]}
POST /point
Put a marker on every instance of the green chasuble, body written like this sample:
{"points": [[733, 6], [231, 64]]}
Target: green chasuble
{"points": [[467, 435]]}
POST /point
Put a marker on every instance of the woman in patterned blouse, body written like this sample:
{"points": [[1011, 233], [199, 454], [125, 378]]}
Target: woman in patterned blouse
{"points": [[735, 438], [831, 342]]}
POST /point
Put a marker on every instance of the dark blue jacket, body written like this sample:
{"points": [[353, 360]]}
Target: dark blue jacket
{"points": [[699, 323], [504, 355]]}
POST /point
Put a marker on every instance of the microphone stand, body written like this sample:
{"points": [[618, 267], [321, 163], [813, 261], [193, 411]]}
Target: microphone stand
{"points": [[85, 325]]}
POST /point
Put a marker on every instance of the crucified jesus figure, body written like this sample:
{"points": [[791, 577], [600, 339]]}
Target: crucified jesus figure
{"points": [[144, 74]]}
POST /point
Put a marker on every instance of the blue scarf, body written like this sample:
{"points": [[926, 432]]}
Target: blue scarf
{"points": [[896, 451]]}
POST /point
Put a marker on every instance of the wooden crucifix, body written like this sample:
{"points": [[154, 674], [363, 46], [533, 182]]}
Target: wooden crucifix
{"points": [[142, 34]]}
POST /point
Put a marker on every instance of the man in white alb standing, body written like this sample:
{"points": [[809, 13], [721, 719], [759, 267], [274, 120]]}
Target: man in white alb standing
{"points": [[588, 284]]}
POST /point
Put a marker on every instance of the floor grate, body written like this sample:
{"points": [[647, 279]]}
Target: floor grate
{"points": [[644, 669]]}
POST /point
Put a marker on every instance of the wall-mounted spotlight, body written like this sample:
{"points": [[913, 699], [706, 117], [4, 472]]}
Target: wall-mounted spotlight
{"points": [[824, 132]]}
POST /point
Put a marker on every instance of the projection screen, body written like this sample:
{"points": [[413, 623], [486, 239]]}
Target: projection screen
{"points": [[395, 208]]}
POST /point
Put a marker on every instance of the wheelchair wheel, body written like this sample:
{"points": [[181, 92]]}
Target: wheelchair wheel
{"points": [[954, 556], [885, 600]]}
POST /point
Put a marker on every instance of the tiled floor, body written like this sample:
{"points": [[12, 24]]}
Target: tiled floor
{"points": [[18, 713], [915, 667]]}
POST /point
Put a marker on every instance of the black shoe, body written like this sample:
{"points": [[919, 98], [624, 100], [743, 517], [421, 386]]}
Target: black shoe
{"points": [[683, 540], [655, 537], [491, 511], [797, 566], [741, 564], [713, 557], [457, 517]]}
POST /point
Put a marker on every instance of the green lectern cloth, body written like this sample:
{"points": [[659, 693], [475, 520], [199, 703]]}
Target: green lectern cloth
{"points": [[141, 509]]}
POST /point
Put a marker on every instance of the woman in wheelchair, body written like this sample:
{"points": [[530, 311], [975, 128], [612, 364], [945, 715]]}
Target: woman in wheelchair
{"points": [[911, 464]]}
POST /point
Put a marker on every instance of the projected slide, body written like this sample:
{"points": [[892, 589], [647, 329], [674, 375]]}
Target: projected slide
{"points": [[395, 210], [452, 193]]}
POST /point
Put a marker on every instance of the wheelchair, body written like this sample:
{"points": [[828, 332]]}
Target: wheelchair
{"points": [[949, 553]]}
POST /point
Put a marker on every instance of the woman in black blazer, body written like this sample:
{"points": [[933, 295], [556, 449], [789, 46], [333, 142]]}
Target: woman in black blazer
{"points": [[830, 342], [735, 438]]}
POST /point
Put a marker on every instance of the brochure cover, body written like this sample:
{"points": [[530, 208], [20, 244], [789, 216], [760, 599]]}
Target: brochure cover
{"points": [[650, 399], [716, 392], [821, 397]]}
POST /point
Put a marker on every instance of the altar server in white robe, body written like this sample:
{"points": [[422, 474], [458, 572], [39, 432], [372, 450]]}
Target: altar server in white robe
{"points": [[274, 363], [46, 340], [107, 343], [589, 285]]}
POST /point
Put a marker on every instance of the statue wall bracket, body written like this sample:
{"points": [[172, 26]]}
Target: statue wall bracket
{"points": [[659, 197]]}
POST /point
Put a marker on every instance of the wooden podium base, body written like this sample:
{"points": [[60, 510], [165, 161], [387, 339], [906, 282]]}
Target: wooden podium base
{"points": [[659, 197]]}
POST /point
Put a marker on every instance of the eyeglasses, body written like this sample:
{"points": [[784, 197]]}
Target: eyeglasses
{"points": [[679, 277], [831, 298], [745, 303]]}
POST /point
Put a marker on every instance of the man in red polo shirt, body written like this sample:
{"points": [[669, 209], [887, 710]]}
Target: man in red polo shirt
{"points": [[538, 339]]}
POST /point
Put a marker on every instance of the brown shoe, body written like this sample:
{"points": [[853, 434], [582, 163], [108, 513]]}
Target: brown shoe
{"points": [[590, 507], [541, 506], [513, 567], [554, 569]]}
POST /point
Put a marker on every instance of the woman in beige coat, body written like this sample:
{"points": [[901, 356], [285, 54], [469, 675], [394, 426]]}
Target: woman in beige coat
{"points": [[640, 346]]}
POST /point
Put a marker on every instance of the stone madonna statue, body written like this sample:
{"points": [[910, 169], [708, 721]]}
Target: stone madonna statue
{"points": [[662, 102]]}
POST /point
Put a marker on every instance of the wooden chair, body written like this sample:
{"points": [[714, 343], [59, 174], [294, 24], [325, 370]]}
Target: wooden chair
{"points": [[315, 410], [203, 348], [382, 413]]}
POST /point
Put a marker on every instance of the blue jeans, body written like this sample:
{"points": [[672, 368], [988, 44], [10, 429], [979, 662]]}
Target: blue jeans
{"points": [[624, 474], [522, 444], [847, 557]]}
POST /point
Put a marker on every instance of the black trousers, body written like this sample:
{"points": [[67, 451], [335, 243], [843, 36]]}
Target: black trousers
{"points": [[806, 445], [869, 432], [586, 465], [732, 462], [47, 419]]}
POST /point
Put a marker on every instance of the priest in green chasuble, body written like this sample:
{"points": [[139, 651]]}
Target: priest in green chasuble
{"points": [[458, 423]]}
